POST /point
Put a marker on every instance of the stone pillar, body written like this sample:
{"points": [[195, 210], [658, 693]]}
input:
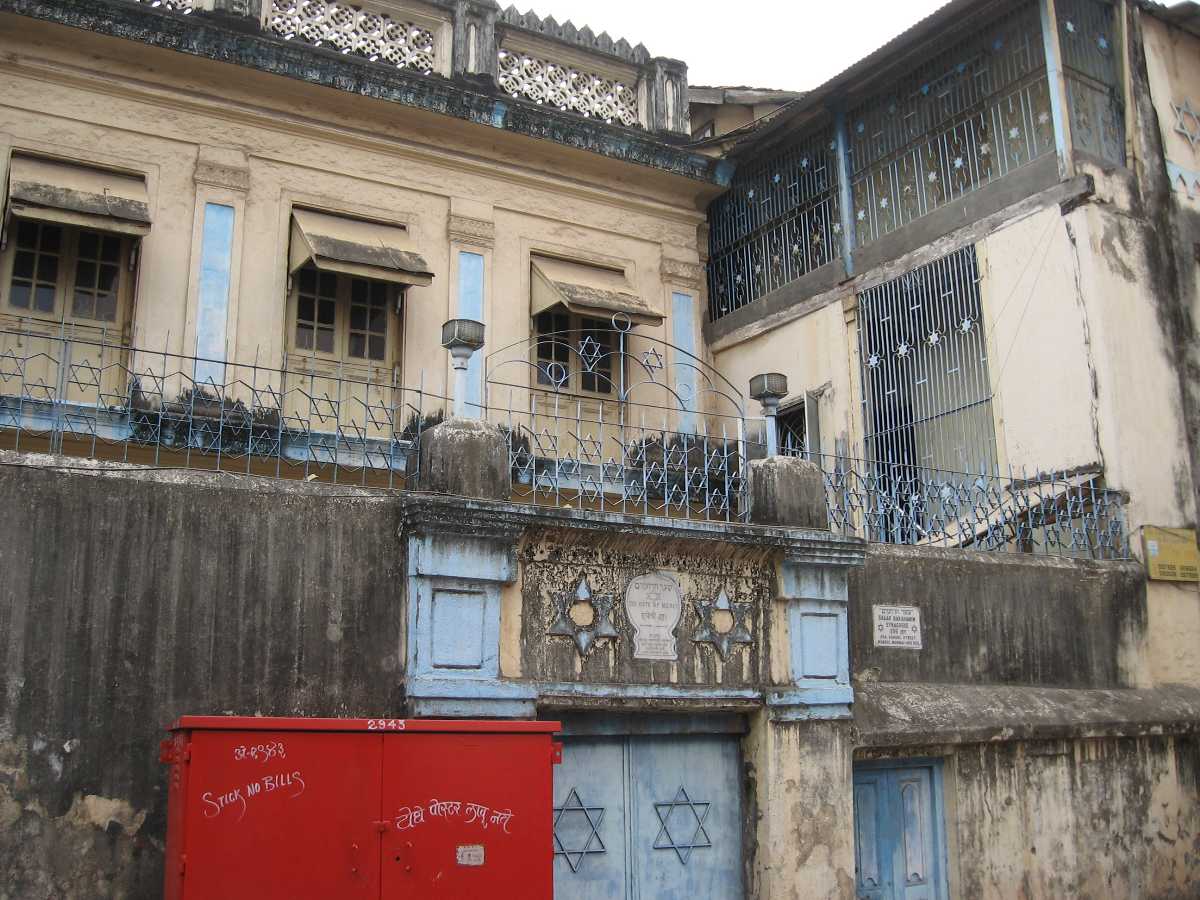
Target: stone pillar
{"points": [[475, 45], [460, 556], [787, 491], [663, 88], [804, 790], [465, 458]]}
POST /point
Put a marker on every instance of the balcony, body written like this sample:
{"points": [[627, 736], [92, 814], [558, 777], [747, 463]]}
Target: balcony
{"points": [[669, 439]]}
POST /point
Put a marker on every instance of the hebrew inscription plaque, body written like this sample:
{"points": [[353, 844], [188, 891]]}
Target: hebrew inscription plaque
{"points": [[654, 605]]}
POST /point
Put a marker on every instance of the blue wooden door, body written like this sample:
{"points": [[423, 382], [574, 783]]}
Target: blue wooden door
{"points": [[645, 817], [590, 823], [899, 833]]}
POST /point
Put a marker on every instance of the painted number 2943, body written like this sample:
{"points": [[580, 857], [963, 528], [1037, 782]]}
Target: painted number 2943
{"points": [[385, 724]]}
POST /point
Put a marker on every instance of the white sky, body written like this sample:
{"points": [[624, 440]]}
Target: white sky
{"points": [[793, 45]]}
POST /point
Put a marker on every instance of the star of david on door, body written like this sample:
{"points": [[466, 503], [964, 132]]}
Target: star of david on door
{"points": [[682, 822], [577, 830]]}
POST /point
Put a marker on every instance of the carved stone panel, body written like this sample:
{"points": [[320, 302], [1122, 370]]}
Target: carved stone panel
{"points": [[602, 614]]}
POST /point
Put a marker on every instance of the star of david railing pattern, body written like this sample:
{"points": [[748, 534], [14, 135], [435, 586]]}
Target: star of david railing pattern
{"points": [[76, 391], [625, 423]]}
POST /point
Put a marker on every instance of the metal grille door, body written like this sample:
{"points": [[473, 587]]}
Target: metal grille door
{"points": [[646, 817], [927, 397]]}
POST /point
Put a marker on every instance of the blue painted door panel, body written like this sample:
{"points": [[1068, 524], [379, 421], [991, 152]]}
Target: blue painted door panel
{"points": [[649, 818], [898, 834], [912, 859], [869, 828], [589, 821], [687, 816]]}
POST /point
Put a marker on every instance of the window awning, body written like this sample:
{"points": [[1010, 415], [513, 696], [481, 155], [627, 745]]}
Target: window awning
{"points": [[355, 247], [53, 191], [588, 291]]}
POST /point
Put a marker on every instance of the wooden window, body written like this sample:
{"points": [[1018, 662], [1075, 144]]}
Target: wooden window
{"points": [[66, 274], [343, 318], [575, 353]]}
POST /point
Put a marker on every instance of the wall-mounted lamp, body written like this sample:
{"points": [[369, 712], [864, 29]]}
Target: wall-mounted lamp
{"points": [[462, 337], [769, 389]]}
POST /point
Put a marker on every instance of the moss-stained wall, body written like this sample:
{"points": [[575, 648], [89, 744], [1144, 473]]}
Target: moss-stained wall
{"points": [[1091, 819], [1002, 618], [127, 602]]}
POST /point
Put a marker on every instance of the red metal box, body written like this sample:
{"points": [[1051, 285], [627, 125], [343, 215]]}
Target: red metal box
{"points": [[286, 809]]}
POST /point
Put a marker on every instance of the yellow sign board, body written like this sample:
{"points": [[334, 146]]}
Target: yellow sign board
{"points": [[1171, 553]]}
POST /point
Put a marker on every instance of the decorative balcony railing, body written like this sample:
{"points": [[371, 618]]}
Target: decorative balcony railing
{"points": [[79, 393], [350, 29], [667, 439], [1054, 514], [1087, 34], [780, 220], [660, 434], [971, 115], [967, 117], [568, 89], [619, 422]]}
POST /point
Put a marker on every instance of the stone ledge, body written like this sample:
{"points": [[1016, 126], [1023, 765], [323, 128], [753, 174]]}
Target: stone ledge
{"points": [[906, 714], [443, 514]]}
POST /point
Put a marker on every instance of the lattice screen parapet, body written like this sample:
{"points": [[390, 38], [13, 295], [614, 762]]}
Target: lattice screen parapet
{"points": [[351, 30], [568, 89], [581, 37]]}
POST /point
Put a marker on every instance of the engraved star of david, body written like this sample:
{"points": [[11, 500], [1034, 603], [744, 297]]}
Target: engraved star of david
{"points": [[1187, 121], [572, 809], [706, 630], [584, 636], [686, 813]]}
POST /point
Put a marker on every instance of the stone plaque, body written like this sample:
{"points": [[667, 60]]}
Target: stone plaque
{"points": [[898, 626], [654, 604]]}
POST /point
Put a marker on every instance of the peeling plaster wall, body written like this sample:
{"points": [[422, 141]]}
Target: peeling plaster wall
{"points": [[1090, 820], [126, 602], [802, 777]]}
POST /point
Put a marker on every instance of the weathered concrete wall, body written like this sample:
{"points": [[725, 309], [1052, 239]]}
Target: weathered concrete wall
{"points": [[1084, 819], [803, 791], [126, 602], [1002, 619]]}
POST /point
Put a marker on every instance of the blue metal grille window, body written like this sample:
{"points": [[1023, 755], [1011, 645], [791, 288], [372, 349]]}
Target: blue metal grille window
{"points": [[966, 118], [777, 222], [1087, 34], [927, 398]]}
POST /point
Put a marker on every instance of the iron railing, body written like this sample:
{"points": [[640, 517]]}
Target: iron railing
{"points": [[621, 422], [70, 393], [652, 445], [73, 391], [1067, 514]]}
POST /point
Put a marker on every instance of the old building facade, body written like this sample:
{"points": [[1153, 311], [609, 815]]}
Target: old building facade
{"points": [[909, 630]]}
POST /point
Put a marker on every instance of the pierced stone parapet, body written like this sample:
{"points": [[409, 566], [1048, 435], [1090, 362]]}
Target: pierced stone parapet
{"points": [[351, 30], [571, 90], [580, 37]]}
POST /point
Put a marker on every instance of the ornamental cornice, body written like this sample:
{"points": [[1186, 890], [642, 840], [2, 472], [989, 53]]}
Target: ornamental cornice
{"points": [[232, 177], [466, 230], [686, 273]]}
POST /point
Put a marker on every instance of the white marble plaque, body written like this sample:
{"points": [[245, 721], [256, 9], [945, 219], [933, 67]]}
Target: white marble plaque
{"points": [[654, 604], [898, 626]]}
